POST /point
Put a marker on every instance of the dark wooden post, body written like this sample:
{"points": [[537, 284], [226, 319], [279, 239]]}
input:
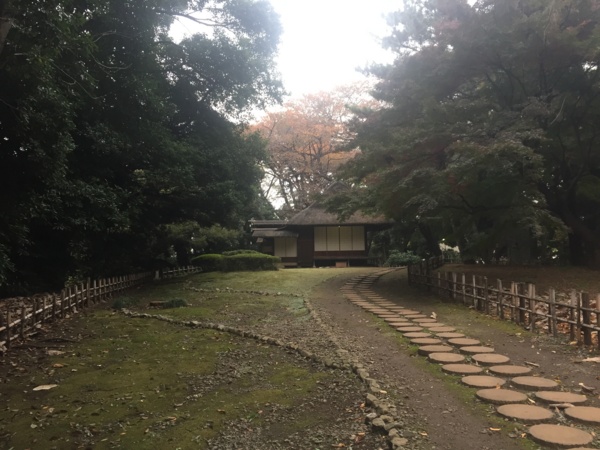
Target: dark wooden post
{"points": [[586, 314], [532, 313], [500, 298], [552, 310], [522, 303], [486, 297]]}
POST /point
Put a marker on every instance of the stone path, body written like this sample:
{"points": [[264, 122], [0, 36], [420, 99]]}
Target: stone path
{"points": [[512, 387]]}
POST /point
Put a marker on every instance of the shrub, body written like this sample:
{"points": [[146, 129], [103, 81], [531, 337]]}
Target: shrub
{"points": [[397, 259], [174, 303], [210, 262], [242, 252], [251, 261]]}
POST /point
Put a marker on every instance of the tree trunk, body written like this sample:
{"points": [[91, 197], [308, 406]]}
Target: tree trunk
{"points": [[433, 243], [5, 26]]}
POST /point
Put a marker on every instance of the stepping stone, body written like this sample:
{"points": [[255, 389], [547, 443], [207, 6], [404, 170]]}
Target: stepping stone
{"points": [[482, 381], [408, 329], [426, 341], [424, 320], [416, 334], [476, 349], [560, 435], [410, 311], [450, 335], [501, 396], [442, 329], [461, 369], [560, 397], [525, 413], [490, 359], [427, 349], [463, 341], [509, 370], [432, 325], [446, 358], [414, 316], [398, 322], [535, 383], [587, 414]]}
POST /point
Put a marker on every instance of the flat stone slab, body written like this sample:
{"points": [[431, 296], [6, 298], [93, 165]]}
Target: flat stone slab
{"points": [[535, 383], [588, 414], [461, 342], [461, 369], [414, 316], [560, 397], [426, 341], [476, 349], [410, 311], [442, 329], [446, 358], [417, 334], [525, 413], [403, 329], [560, 435], [424, 320], [501, 396], [450, 335], [433, 325], [482, 381], [490, 359], [427, 349], [509, 370], [398, 320]]}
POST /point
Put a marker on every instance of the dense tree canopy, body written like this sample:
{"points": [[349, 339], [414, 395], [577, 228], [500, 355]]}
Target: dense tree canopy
{"points": [[489, 137], [111, 132]]}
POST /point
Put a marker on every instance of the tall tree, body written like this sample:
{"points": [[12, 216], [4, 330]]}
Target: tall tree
{"points": [[490, 128], [110, 131], [307, 142]]}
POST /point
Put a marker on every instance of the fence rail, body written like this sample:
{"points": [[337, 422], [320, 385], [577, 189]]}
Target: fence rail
{"points": [[556, 313], [18, 322]]}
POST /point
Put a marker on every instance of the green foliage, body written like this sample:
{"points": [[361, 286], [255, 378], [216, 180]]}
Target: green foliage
{"points": [[210, 262], [242, 252], [487, 127], [116, 140], [398, 259], [236, 261], [174, 303], [249, 261], [123, 302]]}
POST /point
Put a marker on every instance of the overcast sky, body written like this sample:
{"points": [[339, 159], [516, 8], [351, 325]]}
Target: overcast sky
{"points": [[324, 41]]}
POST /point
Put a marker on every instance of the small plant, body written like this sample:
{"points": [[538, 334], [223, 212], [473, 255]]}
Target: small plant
{"points": [[174, 303], [122, 303], [397, 259]]}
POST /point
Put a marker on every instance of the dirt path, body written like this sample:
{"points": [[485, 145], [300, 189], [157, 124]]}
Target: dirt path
{"points": [[444, 414]]}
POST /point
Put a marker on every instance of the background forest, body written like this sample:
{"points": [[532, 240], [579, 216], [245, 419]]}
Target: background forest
{"points": [[120, 147]]}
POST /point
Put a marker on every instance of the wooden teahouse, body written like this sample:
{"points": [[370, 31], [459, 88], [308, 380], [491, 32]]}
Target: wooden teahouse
{"points": [[315, 237]]}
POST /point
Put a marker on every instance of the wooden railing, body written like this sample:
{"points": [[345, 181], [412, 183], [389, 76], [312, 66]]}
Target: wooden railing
{"points": [[573, 313], [19, 321]]}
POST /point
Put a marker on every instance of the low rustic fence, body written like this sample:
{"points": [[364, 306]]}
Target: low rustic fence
{"points": [[573, 313], [23, 318]]}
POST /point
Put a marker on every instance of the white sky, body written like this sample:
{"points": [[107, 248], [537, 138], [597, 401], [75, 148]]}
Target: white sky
{"points": [[325, 41]]}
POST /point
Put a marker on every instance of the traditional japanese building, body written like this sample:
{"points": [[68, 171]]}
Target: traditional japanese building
{"points": [[316, 237]]}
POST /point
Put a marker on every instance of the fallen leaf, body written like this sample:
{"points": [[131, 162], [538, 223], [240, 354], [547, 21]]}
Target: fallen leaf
{"points": [[45, 387], [595, 359], [340, 445], [423, 433], [58, 365], [55, 352], [495, 429]]}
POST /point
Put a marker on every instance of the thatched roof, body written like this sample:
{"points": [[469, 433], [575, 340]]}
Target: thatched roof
{"points": [[316, 214]]}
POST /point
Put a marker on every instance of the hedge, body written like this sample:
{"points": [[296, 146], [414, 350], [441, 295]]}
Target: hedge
{"points": [[246, 261]]}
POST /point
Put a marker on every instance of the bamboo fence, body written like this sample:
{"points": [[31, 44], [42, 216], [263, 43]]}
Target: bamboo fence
{"points": [[33, 312], [556, 313]]}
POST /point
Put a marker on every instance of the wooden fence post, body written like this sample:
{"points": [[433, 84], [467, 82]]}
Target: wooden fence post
{"points": [[486, 297], [23, 321], [573, 308], [586, 318], [464, 288], [552, 310], [439, 283], [522, 303], [532, 313], [514, 299], [454, 279], [500, 305]]}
